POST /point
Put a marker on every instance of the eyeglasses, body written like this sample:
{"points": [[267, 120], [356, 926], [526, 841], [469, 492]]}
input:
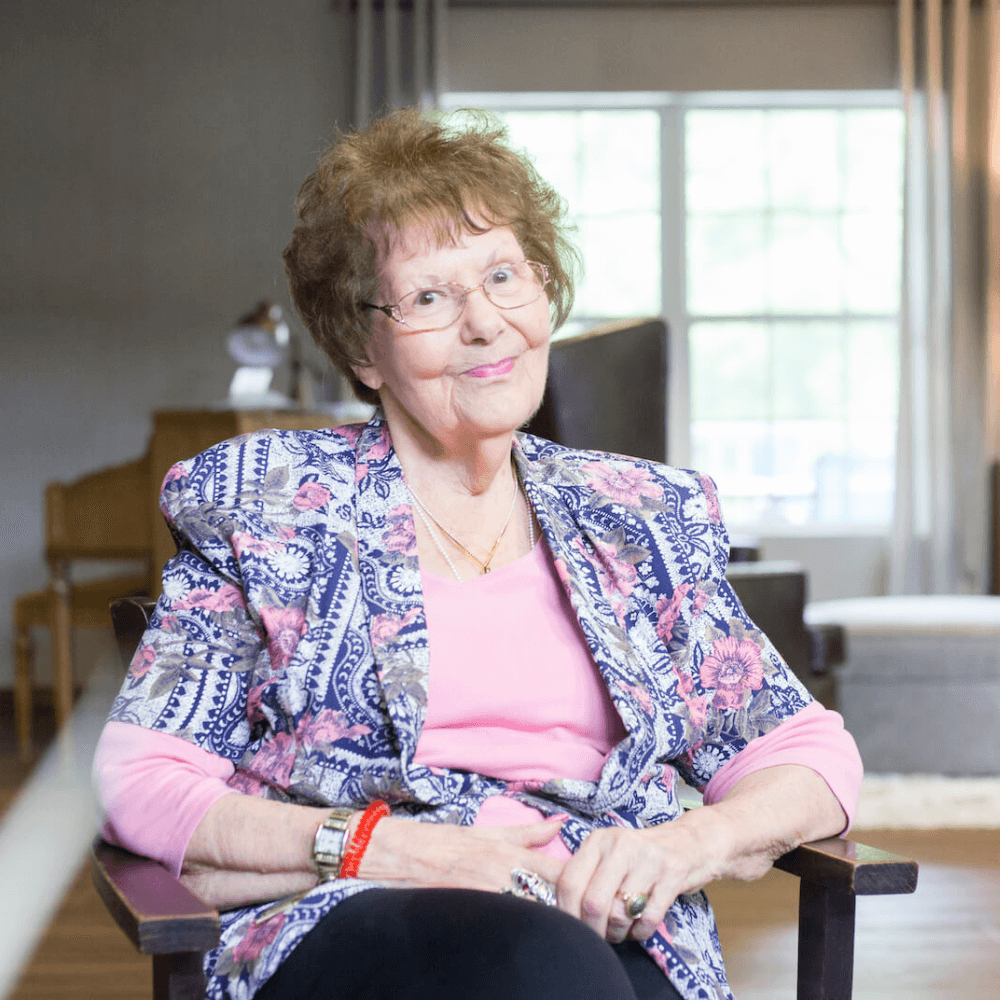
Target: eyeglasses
{"points": [[507, 287]]}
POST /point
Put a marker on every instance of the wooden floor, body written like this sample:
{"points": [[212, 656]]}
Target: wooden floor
{"points": [[942, 943]]}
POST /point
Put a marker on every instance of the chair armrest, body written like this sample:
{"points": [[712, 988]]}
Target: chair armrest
{"points": [[850, 867], [827, 647], [154, 910]]}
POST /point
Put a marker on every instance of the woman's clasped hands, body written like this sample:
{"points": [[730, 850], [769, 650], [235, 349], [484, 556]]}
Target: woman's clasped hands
{"points": [[614, 868]]}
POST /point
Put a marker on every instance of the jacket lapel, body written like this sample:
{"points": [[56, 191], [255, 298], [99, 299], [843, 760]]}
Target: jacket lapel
{"points": [[576, 548], [390, 585]]}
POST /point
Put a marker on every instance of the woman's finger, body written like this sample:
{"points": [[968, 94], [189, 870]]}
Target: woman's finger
{"points": [[534, 834], [661, 898], [574, 891]]}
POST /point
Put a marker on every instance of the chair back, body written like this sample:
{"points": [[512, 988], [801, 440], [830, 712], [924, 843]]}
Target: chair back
{"points": [[607, 390], [103, 515]]}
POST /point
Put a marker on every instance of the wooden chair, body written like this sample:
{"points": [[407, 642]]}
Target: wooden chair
{"points": [[163, 919], [102, 516]]}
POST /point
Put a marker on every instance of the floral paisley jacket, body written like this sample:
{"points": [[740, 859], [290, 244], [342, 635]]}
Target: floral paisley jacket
{"points": [[291, 639]]}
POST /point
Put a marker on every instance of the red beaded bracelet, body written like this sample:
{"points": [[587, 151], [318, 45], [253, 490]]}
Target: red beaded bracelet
{"points": [[355, 850]]}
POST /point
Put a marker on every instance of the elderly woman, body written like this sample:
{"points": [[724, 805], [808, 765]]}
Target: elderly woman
{"points": [[412, 680]]}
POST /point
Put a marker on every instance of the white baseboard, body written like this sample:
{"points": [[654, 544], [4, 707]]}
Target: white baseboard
{"points": [[927, 801]]}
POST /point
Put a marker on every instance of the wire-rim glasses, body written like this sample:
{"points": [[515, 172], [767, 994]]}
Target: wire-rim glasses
{"points": [[508, 286]]}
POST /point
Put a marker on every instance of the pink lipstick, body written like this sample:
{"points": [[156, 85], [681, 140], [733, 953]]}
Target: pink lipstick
{"points": [[490, 371]]}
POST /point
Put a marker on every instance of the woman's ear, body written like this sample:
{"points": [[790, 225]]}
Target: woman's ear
{"points": [[369, 375]]}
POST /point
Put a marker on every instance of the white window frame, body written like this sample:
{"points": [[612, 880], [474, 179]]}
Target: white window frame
{"points": [[671, 107]]}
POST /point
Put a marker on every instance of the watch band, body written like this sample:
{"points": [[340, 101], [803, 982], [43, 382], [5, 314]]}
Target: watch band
{"points": [[328, 843]]}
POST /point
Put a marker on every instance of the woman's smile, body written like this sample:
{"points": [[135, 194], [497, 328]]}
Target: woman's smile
{"points": [[490, 371]]}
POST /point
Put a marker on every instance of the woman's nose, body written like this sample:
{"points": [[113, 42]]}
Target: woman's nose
{"points": [[481, 320]]}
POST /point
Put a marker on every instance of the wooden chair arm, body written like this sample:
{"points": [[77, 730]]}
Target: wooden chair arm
{"points": [[154, 910], [846, 866]]}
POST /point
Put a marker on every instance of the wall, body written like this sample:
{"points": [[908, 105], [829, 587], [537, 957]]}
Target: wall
{"points": [[679, 48], [151, 155]]}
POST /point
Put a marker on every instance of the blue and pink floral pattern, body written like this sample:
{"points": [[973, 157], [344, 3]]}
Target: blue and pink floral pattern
{"points": [[291, 639]]}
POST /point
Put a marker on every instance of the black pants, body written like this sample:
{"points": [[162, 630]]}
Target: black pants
{"points": [[438, 944]]}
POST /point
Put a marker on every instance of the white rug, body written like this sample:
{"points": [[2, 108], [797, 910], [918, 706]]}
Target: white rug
{"points": [[927, 801]]}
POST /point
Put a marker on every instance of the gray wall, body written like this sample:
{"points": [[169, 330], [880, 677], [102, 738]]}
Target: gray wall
{"points": [[809, 47], [151, 154]]}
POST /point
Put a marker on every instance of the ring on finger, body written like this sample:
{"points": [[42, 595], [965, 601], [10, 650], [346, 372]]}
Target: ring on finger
{"points": [[634, 903]]}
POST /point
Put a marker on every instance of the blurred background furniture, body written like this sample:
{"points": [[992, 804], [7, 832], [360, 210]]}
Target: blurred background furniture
{"points": [[607, 390], [920, 688], [164, 920], [101, 517]]}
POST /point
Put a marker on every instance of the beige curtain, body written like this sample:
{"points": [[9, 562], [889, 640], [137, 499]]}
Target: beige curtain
{"points": [[946, 430], [400, 55]]}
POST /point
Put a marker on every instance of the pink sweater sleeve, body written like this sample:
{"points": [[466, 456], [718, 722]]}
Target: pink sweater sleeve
{"points": [[155, 788], [815, 738]]}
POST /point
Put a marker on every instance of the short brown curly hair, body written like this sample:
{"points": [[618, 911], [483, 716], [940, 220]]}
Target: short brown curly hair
{"points": [[411, 167]]}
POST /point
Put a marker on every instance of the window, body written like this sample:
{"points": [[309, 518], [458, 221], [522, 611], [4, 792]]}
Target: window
{"points": [[767, 229], [606, 164]]}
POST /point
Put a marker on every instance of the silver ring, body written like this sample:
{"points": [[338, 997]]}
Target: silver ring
{"points": [[634, 903], [529, 885]]}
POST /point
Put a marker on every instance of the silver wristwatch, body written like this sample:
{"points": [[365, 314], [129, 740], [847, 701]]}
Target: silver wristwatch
{"points": [[328, 844]]}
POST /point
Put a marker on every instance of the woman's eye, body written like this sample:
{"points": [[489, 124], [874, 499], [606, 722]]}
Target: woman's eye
{"points": [[502, 276], [427, 297]]}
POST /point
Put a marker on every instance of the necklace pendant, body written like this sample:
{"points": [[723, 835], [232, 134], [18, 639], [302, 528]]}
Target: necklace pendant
{"points": [[486, 570]]}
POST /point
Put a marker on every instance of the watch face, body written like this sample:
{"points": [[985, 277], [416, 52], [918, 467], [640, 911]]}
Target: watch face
{"points": [[329, 841]]}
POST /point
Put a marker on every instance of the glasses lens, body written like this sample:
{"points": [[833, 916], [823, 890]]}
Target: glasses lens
{"points": [[432, 308], [507, 286], [512, 285]]}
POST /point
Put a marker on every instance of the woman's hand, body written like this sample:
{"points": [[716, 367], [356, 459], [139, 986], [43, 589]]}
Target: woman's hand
{"points": [[764, 815], [662, 862], [441, 855]]}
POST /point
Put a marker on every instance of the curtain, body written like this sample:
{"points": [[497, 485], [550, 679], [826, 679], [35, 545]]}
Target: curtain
{"points": [[400, 55], [939, 539]]}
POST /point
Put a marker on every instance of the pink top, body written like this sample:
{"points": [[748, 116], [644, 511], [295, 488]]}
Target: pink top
{"points": [[530, 707], [494, 640]]}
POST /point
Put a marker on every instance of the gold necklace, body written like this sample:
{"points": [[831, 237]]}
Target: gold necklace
{"points": [[483, 564]]}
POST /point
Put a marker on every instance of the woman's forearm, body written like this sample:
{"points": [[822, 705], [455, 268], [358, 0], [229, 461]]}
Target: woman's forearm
{"points": [[766, 814], [244, 833], [249, 850]]}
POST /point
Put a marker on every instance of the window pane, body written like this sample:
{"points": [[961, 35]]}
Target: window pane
{"points": [[805, 265], [621, 261], [802, 159], [729, 371], [874, 159], [619, 162], [872, 260], [808, 364], [726, 263], [724, 155], [606, 164]]}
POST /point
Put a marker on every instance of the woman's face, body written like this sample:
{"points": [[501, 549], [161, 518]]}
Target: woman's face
{"points": [[480, 377]]}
